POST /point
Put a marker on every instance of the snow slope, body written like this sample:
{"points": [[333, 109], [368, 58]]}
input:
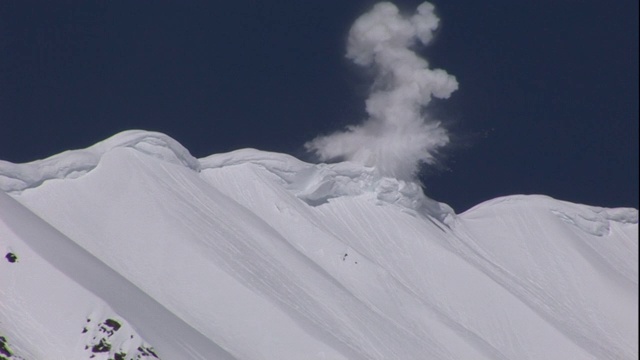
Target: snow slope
{"points": [[55, 291], [256, 255]]}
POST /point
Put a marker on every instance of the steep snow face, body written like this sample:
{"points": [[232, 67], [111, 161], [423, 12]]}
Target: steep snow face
{"points": [[575, 297], [256, 255], [60, 302], [576, 266]]}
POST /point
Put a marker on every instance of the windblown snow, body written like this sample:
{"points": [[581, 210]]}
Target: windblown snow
{"points": [[134, 249]]}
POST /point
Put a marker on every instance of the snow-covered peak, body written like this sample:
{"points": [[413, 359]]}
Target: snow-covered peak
{"points": [[75, 163]]}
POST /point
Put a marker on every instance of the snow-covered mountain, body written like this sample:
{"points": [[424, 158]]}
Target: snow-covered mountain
{"points": [[134, 249]]}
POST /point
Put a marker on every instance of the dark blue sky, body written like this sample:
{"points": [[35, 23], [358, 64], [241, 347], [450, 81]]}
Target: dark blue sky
{"points": [[548, 98]]}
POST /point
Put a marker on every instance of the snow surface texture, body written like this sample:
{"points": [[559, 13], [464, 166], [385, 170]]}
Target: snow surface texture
{"points": [[256, 255]]}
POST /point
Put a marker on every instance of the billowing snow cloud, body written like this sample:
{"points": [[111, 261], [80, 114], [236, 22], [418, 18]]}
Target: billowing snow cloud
{"points": [[398, 136]]}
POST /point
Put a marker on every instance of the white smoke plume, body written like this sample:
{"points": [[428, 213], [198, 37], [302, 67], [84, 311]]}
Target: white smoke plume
{"points": [[398, 136]]}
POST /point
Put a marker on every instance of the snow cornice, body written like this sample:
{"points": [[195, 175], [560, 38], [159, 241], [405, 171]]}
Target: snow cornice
{"points": [[75, 163]]}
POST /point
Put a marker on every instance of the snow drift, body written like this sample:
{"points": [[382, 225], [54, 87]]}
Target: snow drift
{"points": [[132, 249]]}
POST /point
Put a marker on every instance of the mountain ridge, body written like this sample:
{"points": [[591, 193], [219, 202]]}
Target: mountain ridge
{"points": [[269, 257]]}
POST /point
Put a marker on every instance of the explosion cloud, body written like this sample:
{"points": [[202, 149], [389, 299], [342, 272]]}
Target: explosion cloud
{"points": [[398, 136]]}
